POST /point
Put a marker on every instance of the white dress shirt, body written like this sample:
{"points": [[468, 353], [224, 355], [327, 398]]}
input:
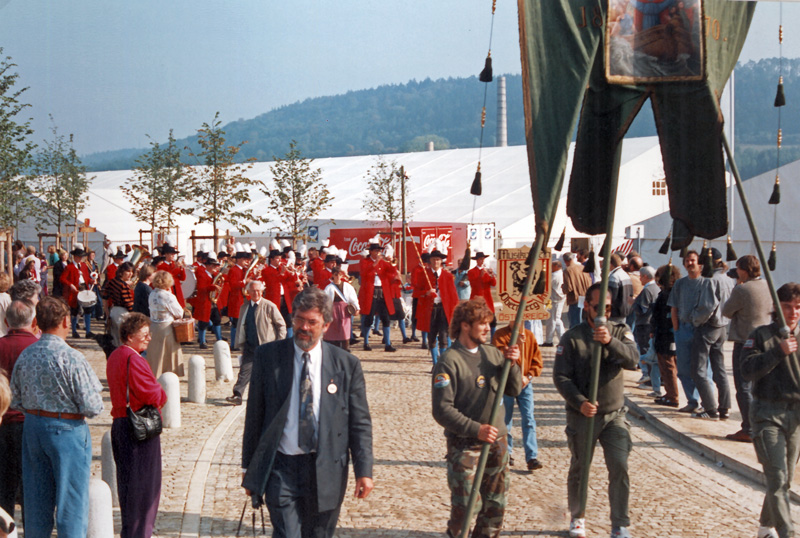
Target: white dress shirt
{"points": [[291, 430]]}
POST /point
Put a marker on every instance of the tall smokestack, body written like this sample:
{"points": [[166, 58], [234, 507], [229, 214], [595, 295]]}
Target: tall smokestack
{"points": [[502, 131]]}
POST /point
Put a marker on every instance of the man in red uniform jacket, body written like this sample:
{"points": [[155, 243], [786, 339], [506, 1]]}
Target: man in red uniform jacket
{"points": [[375, 296], [277, 279], [205, 312], [438, 299], [177, 270], [75, 278], [482, 280], [236, 283]]}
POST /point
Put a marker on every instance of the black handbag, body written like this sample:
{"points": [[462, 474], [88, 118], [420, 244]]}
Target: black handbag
{"points": [[146, 422]]}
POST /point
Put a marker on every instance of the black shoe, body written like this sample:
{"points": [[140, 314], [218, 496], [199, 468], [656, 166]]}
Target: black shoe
{"points": [[203, 346], [390, 349], [377, 333], [235, 399], [424, 346], [90, 335], [75, 334], [367, 347], [547, 345], [406, 340], [534, 464], [663, 400], [724, 414], [510, 461], [414, 339]]}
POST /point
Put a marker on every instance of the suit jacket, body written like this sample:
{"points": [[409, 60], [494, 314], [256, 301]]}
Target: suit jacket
{"points": [[270, 325], [345, 426]]}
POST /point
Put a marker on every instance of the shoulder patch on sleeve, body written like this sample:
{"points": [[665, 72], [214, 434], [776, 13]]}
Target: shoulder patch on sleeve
{"points": [[559, 350], [441, 381], [628, 336], [749, 343]]}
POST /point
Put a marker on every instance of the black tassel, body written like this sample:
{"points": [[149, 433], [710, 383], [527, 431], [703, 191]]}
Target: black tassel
{"points": [[464, 266], [560, 243], [539, 287], [529, 261], [776, 192], [773, 259], [665, 245], [780, 97], [684, 251], [730, 254], [589, 267], [486, 74], [708, 263], [476, 188]]}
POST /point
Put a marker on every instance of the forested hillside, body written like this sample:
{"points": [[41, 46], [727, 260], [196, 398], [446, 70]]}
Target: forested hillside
{"points": [[402, 117]]}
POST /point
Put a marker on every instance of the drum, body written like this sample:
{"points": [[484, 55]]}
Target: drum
{"points": [[184, 330], [189, 286], [87, 299]]}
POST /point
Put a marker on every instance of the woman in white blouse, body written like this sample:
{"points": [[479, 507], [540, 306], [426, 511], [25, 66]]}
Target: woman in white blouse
{"points": [[164, 352]]}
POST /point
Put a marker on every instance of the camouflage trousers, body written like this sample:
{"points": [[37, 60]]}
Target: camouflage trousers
{"points": [[462, 460]]}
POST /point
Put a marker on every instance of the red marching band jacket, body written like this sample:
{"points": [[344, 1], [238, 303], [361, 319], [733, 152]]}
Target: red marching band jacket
{"points": [[447, 293], [387, 273]]}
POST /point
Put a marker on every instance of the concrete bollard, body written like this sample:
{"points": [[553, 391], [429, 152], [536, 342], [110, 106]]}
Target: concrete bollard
{"points": [[223, 369], [197, 379], [171, 412], [101, 513], [109, 467]]}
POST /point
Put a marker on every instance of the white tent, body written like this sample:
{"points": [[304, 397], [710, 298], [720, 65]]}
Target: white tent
{"points": [[758, 191], [439, 187]]}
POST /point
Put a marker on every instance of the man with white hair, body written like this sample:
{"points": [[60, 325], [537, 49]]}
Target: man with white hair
{"points": [[260, 321], [642, 329]]}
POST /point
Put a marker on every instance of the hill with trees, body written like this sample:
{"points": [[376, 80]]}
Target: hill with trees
{"points": [[403, 117]]}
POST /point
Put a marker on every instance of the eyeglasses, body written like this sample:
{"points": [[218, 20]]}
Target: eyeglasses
{"points": [[300, 321]]}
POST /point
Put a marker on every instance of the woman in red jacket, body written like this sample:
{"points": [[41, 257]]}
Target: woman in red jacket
{"points": [[138, 462]]}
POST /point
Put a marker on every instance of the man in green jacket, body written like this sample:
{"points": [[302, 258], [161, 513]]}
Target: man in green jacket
{"points": [[771, 361], [572, 377], [465, 382]]}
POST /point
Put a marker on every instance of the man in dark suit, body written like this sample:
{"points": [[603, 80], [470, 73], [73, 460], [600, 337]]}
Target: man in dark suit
{"points": [[307, 415]]}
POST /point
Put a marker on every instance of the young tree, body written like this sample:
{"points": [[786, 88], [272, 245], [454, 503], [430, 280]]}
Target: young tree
{"points": [[219, 186], [298, 194], [160, 183], [383, 199], [61, 181], [15, 148]]}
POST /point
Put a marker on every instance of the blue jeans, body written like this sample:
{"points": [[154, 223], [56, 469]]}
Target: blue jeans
{"points": [[525, 403], [56, 460], [574, 315], [683, 360]]}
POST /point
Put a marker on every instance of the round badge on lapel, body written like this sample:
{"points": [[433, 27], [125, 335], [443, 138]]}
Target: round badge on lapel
{"points": [[332, 388], [480, 381]]}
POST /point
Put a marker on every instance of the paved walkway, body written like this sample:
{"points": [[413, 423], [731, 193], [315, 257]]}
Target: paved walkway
{"points": [[675, 492]]}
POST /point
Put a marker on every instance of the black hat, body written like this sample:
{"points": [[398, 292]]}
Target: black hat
{"points": [[211, 260], [119, 254], [479, 255], [375, 246], [438, 254], [287, 249], [274, 253], [425, 256], [331, 258], [167, 249], [78, 252], [243, 255], [222, 254]]}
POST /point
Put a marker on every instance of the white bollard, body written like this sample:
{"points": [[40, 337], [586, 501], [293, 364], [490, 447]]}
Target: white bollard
{"points": [[171, 412], [109, 467], [101, 513], [197, 379], [223, 369]]}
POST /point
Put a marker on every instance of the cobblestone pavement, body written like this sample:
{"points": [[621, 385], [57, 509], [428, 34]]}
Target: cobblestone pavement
{"points": [[674, 492]]}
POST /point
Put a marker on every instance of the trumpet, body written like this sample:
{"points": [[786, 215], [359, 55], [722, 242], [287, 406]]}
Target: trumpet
{"points": [[260, 258], [138, 257], [213, 295]]}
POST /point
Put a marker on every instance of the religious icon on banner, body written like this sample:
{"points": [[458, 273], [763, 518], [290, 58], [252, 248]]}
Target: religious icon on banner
{"points": [[512, 269], [654, 41]]}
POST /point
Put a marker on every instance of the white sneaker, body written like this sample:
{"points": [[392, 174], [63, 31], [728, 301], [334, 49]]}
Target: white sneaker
{"points": [[655, 394], [577, 528], [767, 532], [620, 532]]}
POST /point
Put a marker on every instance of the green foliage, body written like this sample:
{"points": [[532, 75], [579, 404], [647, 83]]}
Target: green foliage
{"points": [[298, 194], [384, 195], [15, 148], [420, 143], [219, 184], [159, 185], [61, 181]]}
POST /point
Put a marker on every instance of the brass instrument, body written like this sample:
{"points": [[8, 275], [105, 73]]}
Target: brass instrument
{"points": [[138, 257], [213, 295], [261, 257]]}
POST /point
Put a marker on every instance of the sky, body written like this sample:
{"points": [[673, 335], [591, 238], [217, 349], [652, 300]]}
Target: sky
{"points": [[113, 72]]}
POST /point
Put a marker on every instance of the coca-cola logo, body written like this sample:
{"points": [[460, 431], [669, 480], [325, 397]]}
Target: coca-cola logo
{"points": [[443, 238], [356, 247]]}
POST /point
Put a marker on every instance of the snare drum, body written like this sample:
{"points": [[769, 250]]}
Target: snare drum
{"points": [[87, 299]]}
